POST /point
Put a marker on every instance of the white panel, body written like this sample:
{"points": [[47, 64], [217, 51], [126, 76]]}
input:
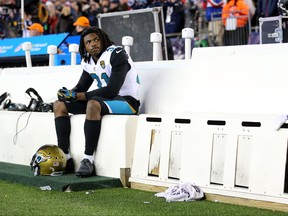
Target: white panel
{"points": [[268, 162], [218, 158], [142, 148], [175, 154], [243, 161]]}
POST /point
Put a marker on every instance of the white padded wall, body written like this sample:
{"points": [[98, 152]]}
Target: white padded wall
{"points": [[231, 79], [45, 80], [232, 155]]}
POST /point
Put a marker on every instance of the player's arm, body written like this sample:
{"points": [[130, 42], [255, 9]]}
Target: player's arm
{"points": [[84, 82], [83, 85], [78, 92], [120, 67]]}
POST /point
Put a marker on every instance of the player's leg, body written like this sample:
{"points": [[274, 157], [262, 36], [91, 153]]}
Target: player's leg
{"points": [[63, 127], [96, 108], [92, 128]]}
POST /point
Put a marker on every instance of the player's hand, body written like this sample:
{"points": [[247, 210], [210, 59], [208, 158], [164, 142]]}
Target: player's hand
{"points": [[66, 95]]}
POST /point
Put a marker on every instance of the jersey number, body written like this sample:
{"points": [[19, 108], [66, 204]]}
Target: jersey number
{"points": [[104, 77]]}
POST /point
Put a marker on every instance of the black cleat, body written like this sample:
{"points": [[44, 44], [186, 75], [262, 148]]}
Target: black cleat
{"points": [[86, 169], [70, 167]]}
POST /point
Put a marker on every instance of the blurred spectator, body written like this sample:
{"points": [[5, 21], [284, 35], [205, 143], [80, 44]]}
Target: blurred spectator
{"points": [[213, 9], [27, 22], [160, 3], [155, 3], [10, 22], [267, 8], [36, 29], [31, 8], [52, 17], [139, 4], [192, 14], [104, 6], [125, 5], [65, 21], [84, 7], [114, 6], [237, 9], [235, 15], [92, 13], [81, 23], [174, 16], [76, 9], [213, 17]]}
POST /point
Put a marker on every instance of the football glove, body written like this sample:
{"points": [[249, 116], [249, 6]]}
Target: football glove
{"points": [[66, 95]]}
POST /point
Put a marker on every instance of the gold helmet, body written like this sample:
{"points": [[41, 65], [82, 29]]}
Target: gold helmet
{"points": [[48, 160]]}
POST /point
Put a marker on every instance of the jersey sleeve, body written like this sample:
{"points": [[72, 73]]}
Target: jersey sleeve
{"points": [[84, 82]]}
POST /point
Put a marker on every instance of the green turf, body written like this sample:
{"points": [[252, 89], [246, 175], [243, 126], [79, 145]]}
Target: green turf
{"points": [[17, 199], [24, 175], [20, 195]]}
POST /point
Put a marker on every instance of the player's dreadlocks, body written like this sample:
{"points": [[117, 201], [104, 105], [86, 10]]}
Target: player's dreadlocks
{"points": [[103, 36]]}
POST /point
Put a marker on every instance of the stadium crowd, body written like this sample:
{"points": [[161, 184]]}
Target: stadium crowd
{"points": [[59, 16]]}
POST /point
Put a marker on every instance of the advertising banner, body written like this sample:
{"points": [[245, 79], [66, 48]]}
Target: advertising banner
{"points": [[13, 46]]}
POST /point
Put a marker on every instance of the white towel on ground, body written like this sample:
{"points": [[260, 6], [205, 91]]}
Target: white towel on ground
{"points": [[182, 192]]}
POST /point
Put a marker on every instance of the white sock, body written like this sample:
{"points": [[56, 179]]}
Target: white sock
{"points": [[68, 156], [89, 157], [279, 121]]}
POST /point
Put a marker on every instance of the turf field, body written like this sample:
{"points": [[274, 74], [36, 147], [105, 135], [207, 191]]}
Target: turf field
{"points": [[18, 199]]}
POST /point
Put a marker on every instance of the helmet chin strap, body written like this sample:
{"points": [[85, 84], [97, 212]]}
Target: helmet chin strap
{"points": [[36, 170]]}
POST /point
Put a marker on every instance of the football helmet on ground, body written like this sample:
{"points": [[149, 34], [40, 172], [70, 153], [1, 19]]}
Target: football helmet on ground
{"points": [[48, 160]]}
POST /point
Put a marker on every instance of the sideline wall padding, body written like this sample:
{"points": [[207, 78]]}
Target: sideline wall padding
{"points": [[238, 158]]}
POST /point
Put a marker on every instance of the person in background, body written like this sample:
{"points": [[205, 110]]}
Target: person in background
{"points": [[65, 20], [52, 17], [235, 15], [125, 5], [92, 13], [76, 9], [192, 14], [27, 22], [267, 8], [114, 5], [174, 16], [112, 69], [238, 9], [80, 24], [104, 6], [213, 14], [36, 29]]}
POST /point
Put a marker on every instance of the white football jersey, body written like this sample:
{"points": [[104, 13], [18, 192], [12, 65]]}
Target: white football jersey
{"points": [[101, 72]]}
